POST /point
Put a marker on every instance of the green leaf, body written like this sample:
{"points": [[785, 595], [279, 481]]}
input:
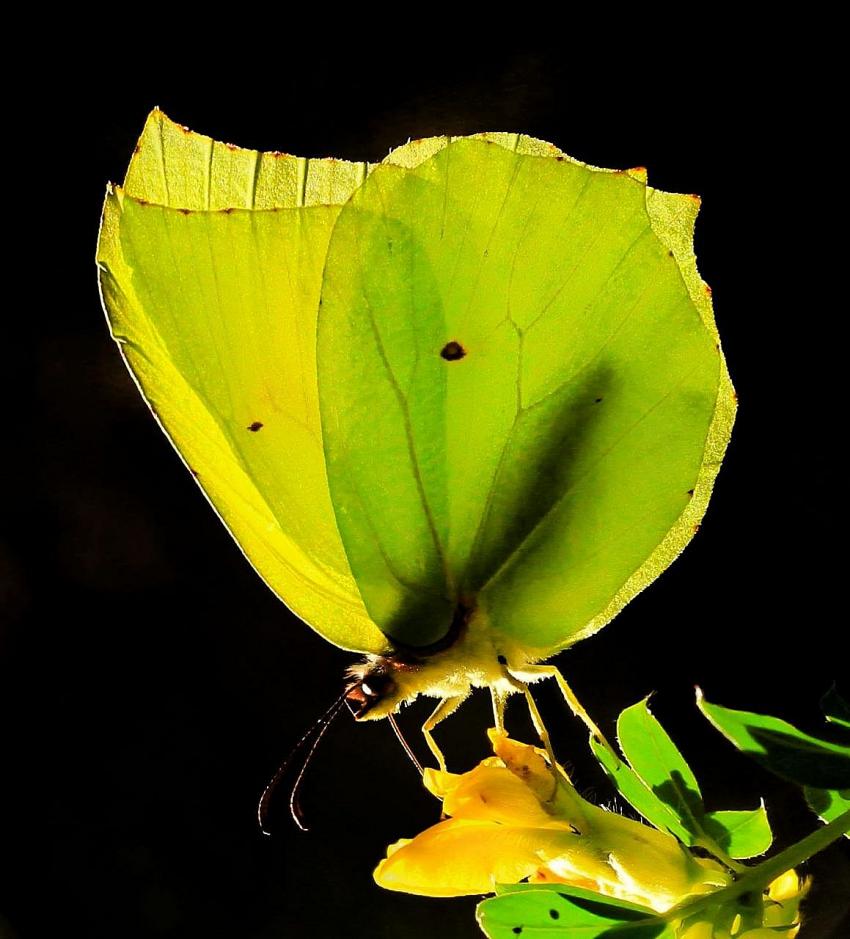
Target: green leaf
{"points": [[674, 803], [559, 910], [741, 834], [782, 748], [828, 804], [660, 766], [835, 708], [630, 787]]}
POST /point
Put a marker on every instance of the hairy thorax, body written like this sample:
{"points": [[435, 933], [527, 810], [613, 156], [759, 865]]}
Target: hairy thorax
{"points": [[475, 657]]}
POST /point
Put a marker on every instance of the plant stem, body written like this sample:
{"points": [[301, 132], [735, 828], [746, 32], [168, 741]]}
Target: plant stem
{"points": [[757, 878], [708, 843]]}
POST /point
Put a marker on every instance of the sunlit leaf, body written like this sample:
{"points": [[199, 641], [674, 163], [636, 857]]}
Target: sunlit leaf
{"points": [[782, 748], [644, 800], [742, 834], [560, 911], [658, 763], [828, 804]]}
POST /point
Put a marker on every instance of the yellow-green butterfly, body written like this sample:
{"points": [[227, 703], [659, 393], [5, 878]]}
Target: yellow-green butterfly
{"points": [[457, 408]]}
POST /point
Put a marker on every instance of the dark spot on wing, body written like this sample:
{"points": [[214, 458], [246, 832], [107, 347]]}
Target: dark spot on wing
{"points": [[690, 492], [184, 211], [554, 914], [502, 660], [517, 930], [255, 426], [452, 351], [226, 211], [597, 400], [671, 254]]}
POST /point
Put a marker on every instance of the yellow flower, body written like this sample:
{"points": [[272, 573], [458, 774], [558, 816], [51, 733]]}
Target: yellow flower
{"points": [[782, 903], [773, 915], [512, 820]]}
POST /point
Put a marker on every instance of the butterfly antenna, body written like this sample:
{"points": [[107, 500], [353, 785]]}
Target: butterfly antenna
{"points": [[311, 739], [405, 745]]}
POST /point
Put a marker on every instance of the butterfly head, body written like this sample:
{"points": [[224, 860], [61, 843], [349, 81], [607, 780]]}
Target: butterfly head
{"points": [[376, 685]]}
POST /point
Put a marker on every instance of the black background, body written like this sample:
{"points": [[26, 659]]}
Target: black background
{"points": [[152, 683]]}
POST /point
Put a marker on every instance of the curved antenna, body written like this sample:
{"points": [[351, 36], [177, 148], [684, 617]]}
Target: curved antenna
{"points": [[317, 731], [405, 745]]}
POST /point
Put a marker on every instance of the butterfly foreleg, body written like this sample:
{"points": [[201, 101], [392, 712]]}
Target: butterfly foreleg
{"points": [[519, 685], [498, 697], [534, 672], [441, 711]]}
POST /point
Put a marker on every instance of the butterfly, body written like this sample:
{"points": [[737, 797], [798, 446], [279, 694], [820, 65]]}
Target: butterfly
{"points": [[456, 408]]}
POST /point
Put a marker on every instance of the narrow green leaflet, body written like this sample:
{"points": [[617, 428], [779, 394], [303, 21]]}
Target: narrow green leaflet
{"points": [[558, 910], [835, 708], [782, 748], [662, 787], [828, 804], [741, 834], [658, 763], [630, 787]]}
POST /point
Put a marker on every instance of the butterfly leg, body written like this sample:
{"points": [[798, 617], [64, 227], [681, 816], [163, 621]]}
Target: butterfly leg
{"points": [[441, 711], [536, 719], [534, 672], [498, 698]]}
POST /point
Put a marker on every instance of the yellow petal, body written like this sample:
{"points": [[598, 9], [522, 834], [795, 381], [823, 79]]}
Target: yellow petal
{"points": [[526, 762], [786, 886], [459, 857], [786, 892], [493, 793], [439, 783]]}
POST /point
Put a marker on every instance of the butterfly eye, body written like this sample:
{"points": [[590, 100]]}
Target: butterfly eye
{"points": [[371, 689], [377, 685]]}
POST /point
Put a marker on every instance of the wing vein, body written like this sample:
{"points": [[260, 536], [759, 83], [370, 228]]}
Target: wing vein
{"points": [[572, 487], [411, 446]]}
